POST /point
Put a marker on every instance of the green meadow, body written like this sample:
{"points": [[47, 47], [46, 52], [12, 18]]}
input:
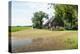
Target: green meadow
{"points": [[19, 28]]}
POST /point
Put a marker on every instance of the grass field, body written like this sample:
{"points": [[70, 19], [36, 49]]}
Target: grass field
{"points": [[19, 28], [47, 40]]}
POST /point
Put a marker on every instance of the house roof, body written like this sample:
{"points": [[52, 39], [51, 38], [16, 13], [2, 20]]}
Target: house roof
{"points": [[49, 21]]}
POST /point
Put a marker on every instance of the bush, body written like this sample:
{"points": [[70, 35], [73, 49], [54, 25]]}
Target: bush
{"points": [[59, 28]]}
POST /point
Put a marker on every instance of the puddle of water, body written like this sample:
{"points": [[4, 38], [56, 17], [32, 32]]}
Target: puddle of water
{"points": [[16, 43]]}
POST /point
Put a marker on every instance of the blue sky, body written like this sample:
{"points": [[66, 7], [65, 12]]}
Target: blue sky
{"points": [[22, 12]]}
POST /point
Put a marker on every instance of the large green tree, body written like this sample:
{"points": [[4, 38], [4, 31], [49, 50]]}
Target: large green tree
{"points": [[68, 14], [37, 19]]}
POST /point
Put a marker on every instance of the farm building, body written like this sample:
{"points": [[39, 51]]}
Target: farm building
{"points": [[53, 24]]}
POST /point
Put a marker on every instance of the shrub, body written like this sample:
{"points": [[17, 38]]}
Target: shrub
{"points": [[59, 28]]}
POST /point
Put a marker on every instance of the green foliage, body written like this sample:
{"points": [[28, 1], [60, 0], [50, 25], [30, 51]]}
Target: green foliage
{"points": [[67, 14], [38, 19]]}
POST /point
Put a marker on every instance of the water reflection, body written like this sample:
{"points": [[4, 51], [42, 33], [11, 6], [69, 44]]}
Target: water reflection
{"points": [[16, 43]]}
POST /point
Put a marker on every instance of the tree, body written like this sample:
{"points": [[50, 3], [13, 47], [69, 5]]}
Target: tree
{"points": [[68, 14], [38, 19]]}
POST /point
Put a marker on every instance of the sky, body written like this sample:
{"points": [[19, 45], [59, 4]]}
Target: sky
{"points": [[22, 12]]}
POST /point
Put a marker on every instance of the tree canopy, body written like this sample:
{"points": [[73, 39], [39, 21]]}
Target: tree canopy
{"points": [[38, 19], [67, 14]]}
